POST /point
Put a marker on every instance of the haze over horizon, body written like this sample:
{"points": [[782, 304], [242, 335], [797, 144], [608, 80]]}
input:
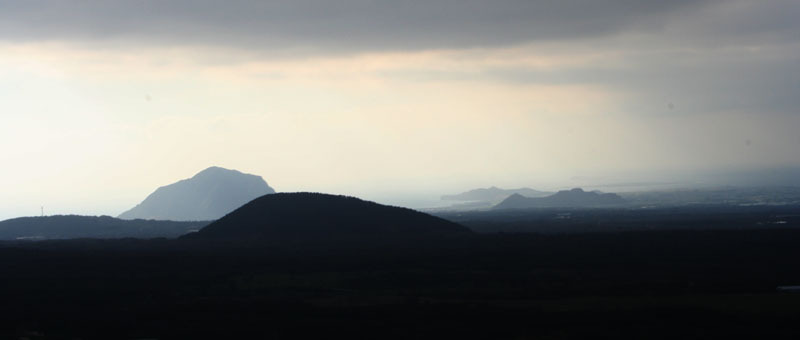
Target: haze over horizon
{"points": [[103, 102]]}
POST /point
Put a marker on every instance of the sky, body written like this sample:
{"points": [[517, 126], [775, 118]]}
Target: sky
{"points": [[101, 102]]}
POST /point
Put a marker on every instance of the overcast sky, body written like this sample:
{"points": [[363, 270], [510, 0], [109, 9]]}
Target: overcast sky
{"points": [[103, 101]]}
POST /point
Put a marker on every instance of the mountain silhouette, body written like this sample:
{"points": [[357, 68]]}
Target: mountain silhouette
{"points": [[209, 195], [575, 198], [315, 216], [106, 227], [493, 194]]}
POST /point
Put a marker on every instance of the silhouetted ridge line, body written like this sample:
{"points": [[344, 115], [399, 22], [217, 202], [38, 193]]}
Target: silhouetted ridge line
{"points": [[208, 195], [316, 216], [102, 227], [493, 194], [565, 198]]}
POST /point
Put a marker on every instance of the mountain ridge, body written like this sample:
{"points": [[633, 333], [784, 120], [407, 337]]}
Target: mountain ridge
{"points": [[493, 193], [208, 195], [574, 198]]}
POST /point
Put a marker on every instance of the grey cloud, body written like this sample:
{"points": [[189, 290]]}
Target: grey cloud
{"points": [[329, 26], [765, 80], [693, 53]]}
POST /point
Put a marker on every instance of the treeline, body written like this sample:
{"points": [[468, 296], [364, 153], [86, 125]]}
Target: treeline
{"points": [[656, 284], [103, 227]]}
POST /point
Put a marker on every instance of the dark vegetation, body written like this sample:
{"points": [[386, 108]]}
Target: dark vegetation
{"points": [[659, 284], [582, 220], [775, 195], [73, 226], [655, 284]]}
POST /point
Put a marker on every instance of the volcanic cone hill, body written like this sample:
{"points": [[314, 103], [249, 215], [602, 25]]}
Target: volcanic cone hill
{"points": [[314, 216]]}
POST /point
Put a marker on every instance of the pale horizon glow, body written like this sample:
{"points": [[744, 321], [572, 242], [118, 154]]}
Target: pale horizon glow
{"points": [[93, 126]]}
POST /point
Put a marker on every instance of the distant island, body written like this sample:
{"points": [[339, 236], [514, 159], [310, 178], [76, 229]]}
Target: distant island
{"points": [[493, 194], [565, 198], [209, 195]]}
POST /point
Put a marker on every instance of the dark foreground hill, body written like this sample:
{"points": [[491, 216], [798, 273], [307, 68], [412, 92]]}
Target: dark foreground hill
{"points": [[209, 195], [563, 199], [73, 226], [634, 285], [314, 216]]}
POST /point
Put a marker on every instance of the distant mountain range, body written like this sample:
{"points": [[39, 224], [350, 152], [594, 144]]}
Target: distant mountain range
{"points": [[73, 226], [314, 217], [493, 194], [209, 195], [565, 198]]}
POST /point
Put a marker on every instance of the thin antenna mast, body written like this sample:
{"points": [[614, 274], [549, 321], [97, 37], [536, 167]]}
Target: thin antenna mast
{"points": [[42, 211]]}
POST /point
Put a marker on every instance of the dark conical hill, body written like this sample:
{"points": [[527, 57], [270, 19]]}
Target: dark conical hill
{"points": [[314, 216]]}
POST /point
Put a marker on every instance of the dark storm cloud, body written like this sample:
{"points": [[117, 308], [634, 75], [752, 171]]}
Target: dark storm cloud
{"points": [[696, 55], [329, 26]]}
